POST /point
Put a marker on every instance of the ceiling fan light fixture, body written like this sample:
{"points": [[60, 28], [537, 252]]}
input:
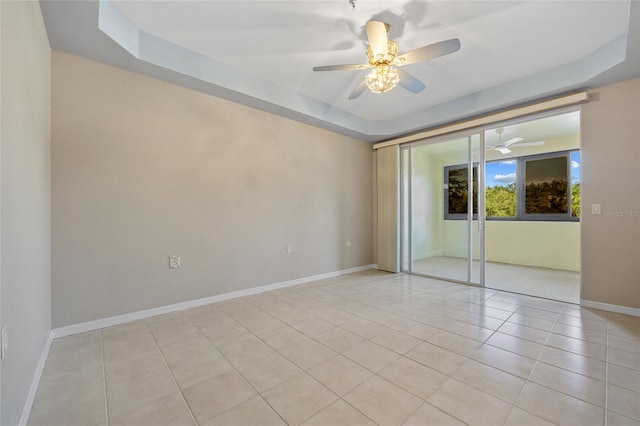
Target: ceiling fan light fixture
{"points": [[382, 78], [383, 58]]}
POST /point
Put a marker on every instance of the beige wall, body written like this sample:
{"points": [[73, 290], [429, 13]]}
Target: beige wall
{"points": [[143, 169], [611, 164], [26, 199]]}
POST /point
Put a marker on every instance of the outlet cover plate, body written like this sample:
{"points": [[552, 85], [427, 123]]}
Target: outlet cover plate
{"points": [[174, 261]]}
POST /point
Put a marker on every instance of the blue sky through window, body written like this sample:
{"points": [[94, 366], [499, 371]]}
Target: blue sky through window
{"points": [[501, 173], [504, 172], [575, 167]]}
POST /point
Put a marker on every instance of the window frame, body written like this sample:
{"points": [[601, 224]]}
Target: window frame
{"points": [[521, 215]]}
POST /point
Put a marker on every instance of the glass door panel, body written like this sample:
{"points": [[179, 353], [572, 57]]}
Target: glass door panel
{"points": [[441, 209], [532, 197]]}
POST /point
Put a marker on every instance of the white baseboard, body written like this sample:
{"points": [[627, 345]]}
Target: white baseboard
{"points": [[26, 409], [134, 316], [627, 310]]}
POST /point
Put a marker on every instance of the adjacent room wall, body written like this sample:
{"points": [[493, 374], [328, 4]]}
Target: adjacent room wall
{"points": [[611, 178], [26, 199], [426, 199], [143, 169]]}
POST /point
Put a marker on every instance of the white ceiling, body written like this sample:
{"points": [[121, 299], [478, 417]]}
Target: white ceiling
{"points": [[261, 53]]}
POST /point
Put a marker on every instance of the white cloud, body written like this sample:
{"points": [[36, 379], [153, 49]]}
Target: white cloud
{"points": [[574, 164], [510, 178], [508, 162]]}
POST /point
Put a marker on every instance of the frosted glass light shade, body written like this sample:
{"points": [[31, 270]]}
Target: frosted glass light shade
{"points": [[382, 78]]}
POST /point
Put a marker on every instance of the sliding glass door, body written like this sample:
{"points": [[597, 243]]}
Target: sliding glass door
{"points": [[497, 207], [442, 236], [532, 193]]}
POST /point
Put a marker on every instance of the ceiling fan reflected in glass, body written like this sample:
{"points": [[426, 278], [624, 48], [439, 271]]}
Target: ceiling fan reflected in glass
{"points": [[503, 147], [384, 63]]}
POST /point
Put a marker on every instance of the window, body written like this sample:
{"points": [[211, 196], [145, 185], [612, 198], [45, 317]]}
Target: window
{"points": [[500, 188], [536, 187], [575, 183], [457, 184]]}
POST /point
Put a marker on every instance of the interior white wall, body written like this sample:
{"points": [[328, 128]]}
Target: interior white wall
{"points": [[26, 199], [426, 203], [143, 169]]}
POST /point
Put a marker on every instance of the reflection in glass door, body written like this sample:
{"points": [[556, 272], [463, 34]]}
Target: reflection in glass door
{"points": [[441, 231]]}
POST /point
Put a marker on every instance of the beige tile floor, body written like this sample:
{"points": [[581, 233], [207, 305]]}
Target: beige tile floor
{"points": [[362, 349], [533, 281]]}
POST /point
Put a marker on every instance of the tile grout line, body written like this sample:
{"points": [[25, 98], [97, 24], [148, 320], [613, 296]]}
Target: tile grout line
{"points": [[337, 326], [104, 381], [605, 362], [170, 372], [401, 355], [544, 345], [234, 368], [563, 304], [468, 358], [424, 401], [449, 376], [302, 370], [535, 364], [374, 322], [375, 374]]}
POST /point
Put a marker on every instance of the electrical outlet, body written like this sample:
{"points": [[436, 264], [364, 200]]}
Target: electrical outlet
{"points": [[348, 243], [289, 249], [5, 341], [174, 261]]}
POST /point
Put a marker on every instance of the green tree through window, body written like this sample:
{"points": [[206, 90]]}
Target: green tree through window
{"points": [[500, 200]]}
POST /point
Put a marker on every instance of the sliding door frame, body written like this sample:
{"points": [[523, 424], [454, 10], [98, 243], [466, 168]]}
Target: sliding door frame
{"points": [[481, 214], [406, 222], [405, 209]]}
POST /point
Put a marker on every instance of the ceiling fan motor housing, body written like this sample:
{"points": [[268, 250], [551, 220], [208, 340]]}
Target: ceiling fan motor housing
{"points": [[383, 59]]}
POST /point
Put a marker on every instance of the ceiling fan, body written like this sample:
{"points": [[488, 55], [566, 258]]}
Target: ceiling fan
{"points": [[503, 147], [384, 62]]}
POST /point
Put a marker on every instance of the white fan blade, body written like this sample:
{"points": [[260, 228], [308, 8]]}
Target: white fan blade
{"points": [[359, 90], [430, 51], [377, 35], [528, 144], [409, 82], [511, 141], [503, 150], [341, 67]]}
